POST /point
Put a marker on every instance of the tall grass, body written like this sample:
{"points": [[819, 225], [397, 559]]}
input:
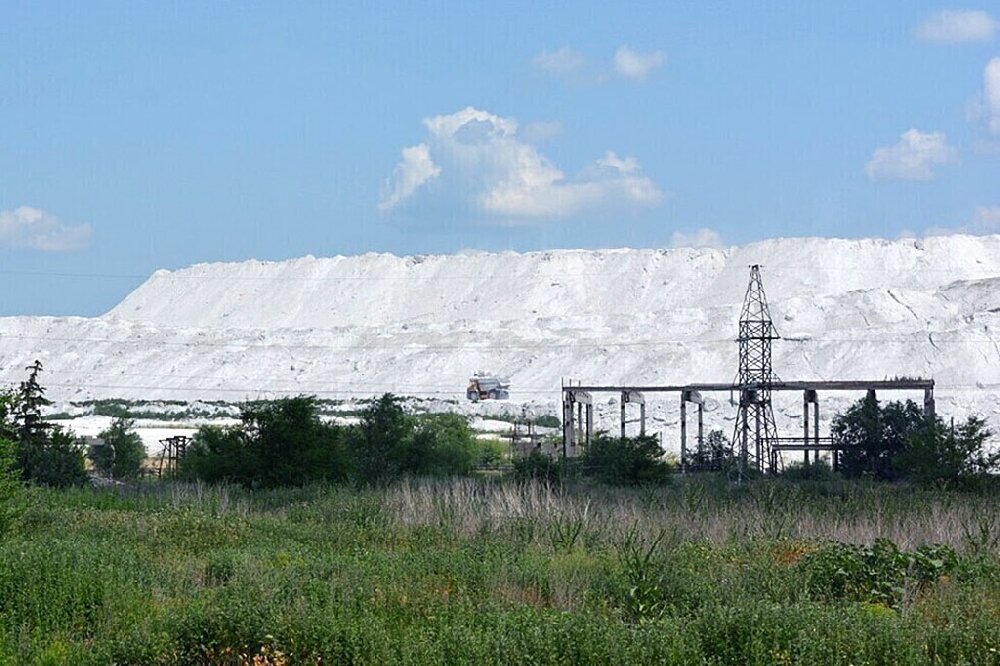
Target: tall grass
{"points": [[484, 572], [711, 511]]}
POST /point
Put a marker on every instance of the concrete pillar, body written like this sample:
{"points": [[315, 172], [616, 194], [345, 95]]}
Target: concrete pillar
{"points": [[642, 418], [590, 421], [569, 428], [805, 424], [701, 427], [816, 427], [683, 431], [624, 397], [929, 411]]}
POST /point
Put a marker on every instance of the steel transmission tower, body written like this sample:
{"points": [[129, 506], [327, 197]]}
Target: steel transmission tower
{"points": [[755, 429]]}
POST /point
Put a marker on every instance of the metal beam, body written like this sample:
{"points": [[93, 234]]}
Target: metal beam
{"points": [[845, 385]]}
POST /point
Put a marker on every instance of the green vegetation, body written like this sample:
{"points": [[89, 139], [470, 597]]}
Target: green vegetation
{"points": [[470, 571], [122, 452], [10, 486], [285, 442], [625, 461], [896, 441], [46, 454]]}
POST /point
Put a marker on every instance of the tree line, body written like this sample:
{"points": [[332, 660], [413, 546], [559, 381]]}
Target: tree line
{"points": [[286, 442]]}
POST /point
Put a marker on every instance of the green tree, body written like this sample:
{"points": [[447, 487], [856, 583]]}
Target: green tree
{"points": [[625, 460], [874, 436], [122, 452], [941, 455], [218, 454], [440, 445], [898, 441], [381, 440], [278, 443], [58, 461], [715, 454]]}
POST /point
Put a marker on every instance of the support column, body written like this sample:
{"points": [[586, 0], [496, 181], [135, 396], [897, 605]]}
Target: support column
{"points": [[569, 428], [624, 400], [590, 421], [929, 411], [805, 424], [701, 427], [642, 418], [683, 432], [816, 426]]}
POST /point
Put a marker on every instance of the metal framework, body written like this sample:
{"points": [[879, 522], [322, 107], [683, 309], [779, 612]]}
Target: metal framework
{"points": [[578, 407], [173, 450], [756, 435], [755, 431]]}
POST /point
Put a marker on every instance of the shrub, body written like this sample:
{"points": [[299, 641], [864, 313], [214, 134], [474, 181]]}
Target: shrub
{"points": [[54, 460], [440, 445], [537, 467], [376, 443], [122, 453], [280, 442], [898, 441], [625, 461]]}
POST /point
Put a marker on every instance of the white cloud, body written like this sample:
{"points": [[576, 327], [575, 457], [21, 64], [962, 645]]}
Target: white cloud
{"points": [[701, 238], [415, 169], [38, 230], [952, 26], [634, 65], [541, 131], [991, 94], [561, 61], [985, 220], [488, 163], [912, 158]]}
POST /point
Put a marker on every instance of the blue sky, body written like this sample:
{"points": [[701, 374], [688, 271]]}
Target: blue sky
{"points": [[135, 136]]}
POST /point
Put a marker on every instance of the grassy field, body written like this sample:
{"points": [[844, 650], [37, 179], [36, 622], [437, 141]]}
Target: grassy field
{"points": [[480, 572]]}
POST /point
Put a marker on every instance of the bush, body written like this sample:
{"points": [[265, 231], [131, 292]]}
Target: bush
{"points": [[280, 442], [939, 455], [715, 455], [810, 471], [537, 467], [54, 460], [440, 445], [122, 453], [379, 439], [898, 441], [625, 461]]}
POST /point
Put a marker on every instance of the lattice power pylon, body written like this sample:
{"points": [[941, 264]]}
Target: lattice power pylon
{"points": [[755, 429]]}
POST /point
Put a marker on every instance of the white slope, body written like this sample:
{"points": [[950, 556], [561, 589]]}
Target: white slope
{"points": [[358, 326]]}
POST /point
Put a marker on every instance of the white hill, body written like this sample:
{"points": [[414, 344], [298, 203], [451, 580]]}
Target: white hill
{"points": [[358, 326]]}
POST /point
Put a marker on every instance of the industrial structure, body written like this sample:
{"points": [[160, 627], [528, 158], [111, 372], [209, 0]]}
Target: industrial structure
{"points": [[755, 436]]}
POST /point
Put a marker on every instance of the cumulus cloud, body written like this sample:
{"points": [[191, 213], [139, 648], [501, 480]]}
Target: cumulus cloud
{"points": [[634, 65], [701, 238], [952, 26], [487, 162], [415, 169], [912, 158], [561, 61], [36, 229]]}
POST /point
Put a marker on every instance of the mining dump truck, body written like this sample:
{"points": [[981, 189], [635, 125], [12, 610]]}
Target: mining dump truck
{"points": [[482, 387]]}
